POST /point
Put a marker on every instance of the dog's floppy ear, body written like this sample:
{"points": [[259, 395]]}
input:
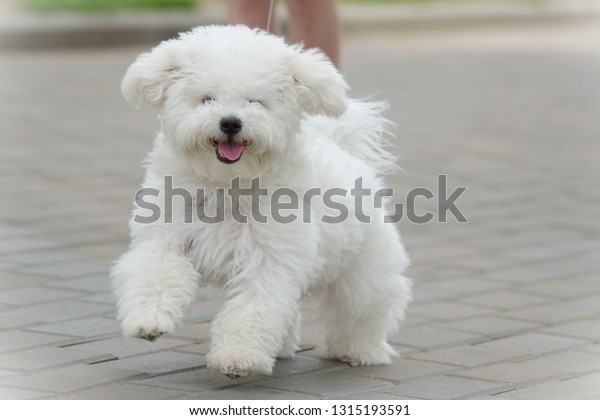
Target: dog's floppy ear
{"points": [[321, 88], [148, 78]]}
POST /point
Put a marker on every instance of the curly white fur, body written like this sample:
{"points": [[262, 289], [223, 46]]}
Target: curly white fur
{"points": [[302, 132]]}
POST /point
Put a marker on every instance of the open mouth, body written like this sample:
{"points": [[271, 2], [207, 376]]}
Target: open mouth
{"points": [[229, 151]]}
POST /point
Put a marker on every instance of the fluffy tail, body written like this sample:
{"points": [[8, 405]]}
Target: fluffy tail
{"points": [[363, 131]]}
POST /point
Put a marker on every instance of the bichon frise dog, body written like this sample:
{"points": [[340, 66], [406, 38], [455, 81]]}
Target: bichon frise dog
{"points": [[252, 126]]}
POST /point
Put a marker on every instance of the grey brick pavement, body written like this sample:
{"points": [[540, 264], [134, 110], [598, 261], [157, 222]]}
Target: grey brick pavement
{"points": [[506, 306]]}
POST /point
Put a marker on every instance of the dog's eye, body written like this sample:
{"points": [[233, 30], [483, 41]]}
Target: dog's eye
{"points": [[256, 101], [206, 99]]}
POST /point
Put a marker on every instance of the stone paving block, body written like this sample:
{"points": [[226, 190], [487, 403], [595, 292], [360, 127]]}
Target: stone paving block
{"points": [[123, 347], [196, 331], [448, 310], [158, 362], [65, 270], [595, 348], [441, 251], [553, 366], [30, 295], [445, 387], [198, 380], [59, 311], [18, 340], [433, 293], [590, 381], [302, 364], [86, 327], [537, 252], [584, 387], [316, 351], [534, 343], [7, 393], [121, 392], [588, 329], [489, 325], [545, 270], [45, 357], [483, 262], [105, 298], [204, 310], [11, 280], [325, 384], [592, 278], [563, 289], [24, 244], [470, 355], [89, 283], [558, 312], [202, 349], [505, 300], [371, 395], [414, 320], [431, 337], [68, 379], [401, 369], [6, 265], [250, 392], [13, 319], [43, 257], [10, 231], [107, 253], [590, 301], [521, 275]]}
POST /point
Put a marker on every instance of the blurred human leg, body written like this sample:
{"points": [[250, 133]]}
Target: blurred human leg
{"points": [[315, 22], [252, 13]]}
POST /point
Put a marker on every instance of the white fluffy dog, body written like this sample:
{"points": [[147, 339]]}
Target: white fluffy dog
{"points": [[237, 103]]}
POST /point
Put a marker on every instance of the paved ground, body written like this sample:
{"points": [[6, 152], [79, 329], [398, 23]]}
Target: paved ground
{"points": [[506, 306]]}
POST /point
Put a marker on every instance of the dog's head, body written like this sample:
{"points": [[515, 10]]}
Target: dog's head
{"points": [[234, 98]]}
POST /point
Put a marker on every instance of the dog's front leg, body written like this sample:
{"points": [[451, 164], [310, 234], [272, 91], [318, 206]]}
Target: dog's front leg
{"points": [[155, 284], [250, 330]]}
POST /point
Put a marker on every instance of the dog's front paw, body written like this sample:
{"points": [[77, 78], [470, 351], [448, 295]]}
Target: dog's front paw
{"points": [[149, 335], [239, 365], [148, 324]]}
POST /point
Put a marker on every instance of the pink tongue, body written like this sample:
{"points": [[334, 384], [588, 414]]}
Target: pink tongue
{"points": [[230, 150]]}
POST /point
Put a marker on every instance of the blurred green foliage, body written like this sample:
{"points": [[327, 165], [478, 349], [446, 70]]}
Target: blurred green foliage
{"points": [[106, 5]]}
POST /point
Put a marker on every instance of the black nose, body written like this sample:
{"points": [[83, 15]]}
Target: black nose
{"points": [[231, 125]]}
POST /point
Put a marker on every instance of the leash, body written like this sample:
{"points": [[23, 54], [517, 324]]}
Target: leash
{"points": [[271, 5]]}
